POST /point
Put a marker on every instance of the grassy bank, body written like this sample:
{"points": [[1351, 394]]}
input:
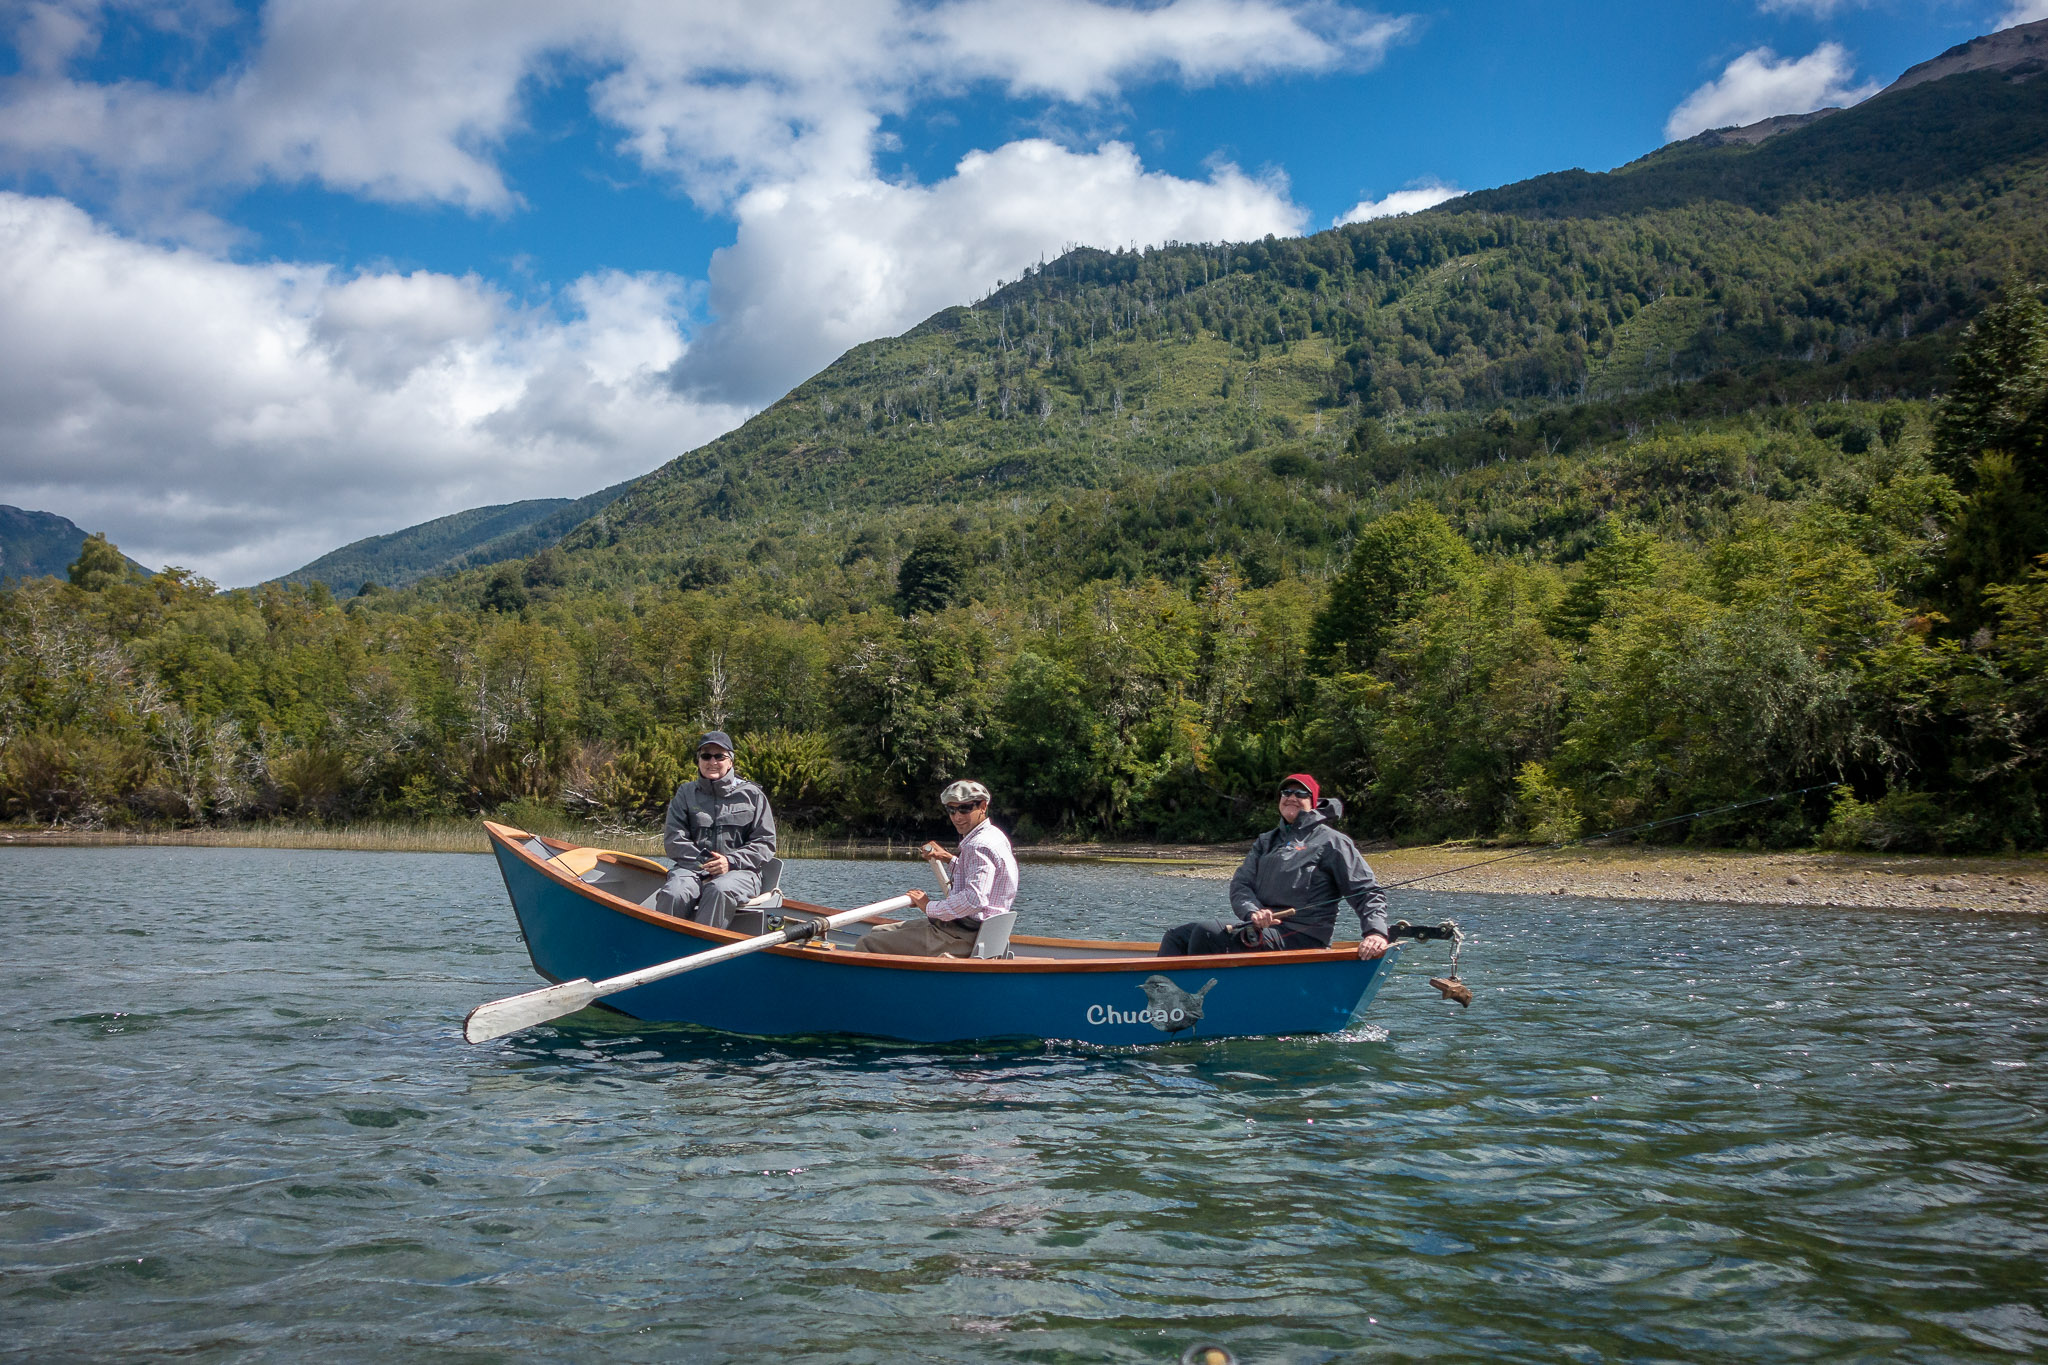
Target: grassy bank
{"points": [[378, 837], [1718, 876], [435, 836]]}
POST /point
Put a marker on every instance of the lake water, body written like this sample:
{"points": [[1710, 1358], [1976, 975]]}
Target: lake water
{"points": [[240, 1125]]}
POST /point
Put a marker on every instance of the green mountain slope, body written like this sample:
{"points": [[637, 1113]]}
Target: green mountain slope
{"points": [[1873, 233], [36, 543], [481, 535]]}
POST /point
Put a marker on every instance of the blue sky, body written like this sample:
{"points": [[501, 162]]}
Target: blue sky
{"points": [[276, 277]]}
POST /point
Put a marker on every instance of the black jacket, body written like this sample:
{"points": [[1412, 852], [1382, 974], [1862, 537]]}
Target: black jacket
{"points": [[1310, 866]]}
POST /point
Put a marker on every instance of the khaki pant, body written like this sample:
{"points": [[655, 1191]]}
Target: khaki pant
{"points": [[920, 938]]}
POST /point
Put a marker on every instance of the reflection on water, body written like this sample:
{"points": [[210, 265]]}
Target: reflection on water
{"points": [[240, 1124]]}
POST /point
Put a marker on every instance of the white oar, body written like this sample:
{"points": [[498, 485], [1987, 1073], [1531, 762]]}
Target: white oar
{"points": [[515, 1012], [939, 871]]}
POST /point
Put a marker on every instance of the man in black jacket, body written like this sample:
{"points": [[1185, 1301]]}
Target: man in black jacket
{"points": [[1305, 866], [721, 833]]}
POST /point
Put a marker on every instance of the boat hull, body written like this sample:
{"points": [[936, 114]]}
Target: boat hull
{"points": [[573, 931]]}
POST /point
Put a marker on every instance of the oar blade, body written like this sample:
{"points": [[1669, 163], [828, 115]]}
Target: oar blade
{"points": [[497, 1018]]}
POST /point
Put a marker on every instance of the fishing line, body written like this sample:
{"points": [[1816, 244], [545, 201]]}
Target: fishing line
{"points": [[1612, 833]]}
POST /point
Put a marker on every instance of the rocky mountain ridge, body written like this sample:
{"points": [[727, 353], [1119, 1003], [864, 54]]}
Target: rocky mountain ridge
{"points": [[2021, 50]]}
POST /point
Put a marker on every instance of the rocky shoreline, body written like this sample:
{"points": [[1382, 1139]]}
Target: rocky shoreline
{"points": [[1901, 881]]}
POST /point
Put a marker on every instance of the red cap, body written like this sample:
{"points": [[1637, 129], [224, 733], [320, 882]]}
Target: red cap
{"points": [[1315, 790]]}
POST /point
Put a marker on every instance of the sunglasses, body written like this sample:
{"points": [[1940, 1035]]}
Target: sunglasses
{"points": [[964, 807], [1300, 792], [711, 755]]}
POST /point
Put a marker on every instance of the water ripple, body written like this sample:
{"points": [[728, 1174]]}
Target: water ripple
{"points": [[240, 1125]]}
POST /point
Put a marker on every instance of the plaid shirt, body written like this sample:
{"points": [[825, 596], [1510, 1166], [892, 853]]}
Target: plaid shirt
{"points": [[984, 878]]}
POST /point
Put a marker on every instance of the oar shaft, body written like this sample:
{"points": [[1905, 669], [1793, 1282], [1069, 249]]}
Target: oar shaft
{"points": [[497, 1018], [663, 971]]}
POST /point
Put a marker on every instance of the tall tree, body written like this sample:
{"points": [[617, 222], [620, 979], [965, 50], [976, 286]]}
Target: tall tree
{"points": [[1991, 436], [1622, 562], [932, 572], [98, 564], [1398, 564], [1999, 399]]}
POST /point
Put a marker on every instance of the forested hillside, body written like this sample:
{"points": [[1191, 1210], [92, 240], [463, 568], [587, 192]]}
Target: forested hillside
{"points": [[1100, 367], [1626, 501], [481, 535]]}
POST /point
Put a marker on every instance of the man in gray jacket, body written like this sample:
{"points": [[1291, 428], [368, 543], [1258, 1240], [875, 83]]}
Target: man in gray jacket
{"points": [[1305, 866], [721, 833]]}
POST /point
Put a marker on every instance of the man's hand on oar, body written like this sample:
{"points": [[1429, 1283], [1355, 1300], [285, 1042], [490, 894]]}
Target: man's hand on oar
{"points": [[1262, 918], [500, 1017], [938, 858]]}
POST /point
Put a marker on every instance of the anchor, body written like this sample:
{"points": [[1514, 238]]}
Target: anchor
{"points": [[1449, 984]]}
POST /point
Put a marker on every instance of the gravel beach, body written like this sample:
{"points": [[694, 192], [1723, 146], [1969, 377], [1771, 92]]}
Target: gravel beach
{"points": [[1906, 881], [1915, 881]]}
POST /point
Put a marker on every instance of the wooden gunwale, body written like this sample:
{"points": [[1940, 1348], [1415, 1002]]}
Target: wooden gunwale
{"points": [[1212, 961]]}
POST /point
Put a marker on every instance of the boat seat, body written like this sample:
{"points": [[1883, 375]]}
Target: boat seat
{"points": [[770, 896], [606, 855], [993, 940], [577, 862]]}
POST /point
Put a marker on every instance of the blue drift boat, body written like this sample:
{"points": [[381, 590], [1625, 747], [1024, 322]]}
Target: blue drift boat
{"points": [[588, 914]]}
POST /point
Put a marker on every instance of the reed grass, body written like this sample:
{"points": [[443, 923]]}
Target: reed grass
{"points": [[378, 837], [423, 836]]}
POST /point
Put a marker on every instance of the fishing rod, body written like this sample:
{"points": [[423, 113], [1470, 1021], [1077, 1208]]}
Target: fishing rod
{"points": [[1612, 833]]}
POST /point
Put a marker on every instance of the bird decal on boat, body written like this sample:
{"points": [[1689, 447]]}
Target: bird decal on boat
{"points": [[1173, 1009]]}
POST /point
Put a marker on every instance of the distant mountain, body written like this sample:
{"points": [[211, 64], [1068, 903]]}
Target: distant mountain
{"points": [[1751, 134], [1944, 124], [481, 535], [2020, 51], [33, 544]]}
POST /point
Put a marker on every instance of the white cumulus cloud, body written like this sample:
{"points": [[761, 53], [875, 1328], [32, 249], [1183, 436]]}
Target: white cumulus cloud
{"points": [[1412, 200], [2023, 12], [242, 419], [1760, 85], [822, 265], [1077, 50], [400, 101]]}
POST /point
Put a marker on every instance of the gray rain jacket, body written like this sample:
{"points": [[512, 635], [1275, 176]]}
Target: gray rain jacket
{"points": [[1310, 866], [729, 816]]}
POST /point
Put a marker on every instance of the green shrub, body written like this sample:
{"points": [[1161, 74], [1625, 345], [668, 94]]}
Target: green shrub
{"points": [[1852, 824], [794, 767], [1547, 811]]}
